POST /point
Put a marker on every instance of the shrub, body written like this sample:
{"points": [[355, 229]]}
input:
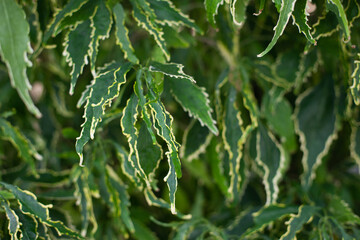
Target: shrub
{"points": [[190, 119]]}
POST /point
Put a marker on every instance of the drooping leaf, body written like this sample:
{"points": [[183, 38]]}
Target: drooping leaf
{"points": [[77, 50], [300, 19], [122, 37], [101, 23], [336, 7], [26, 152], [194, 100], [104, 88], [14, 46], [272, 158], [287, 7], [173, 70], [71, 7], [296, 222], [196, 139], [167, 13], [212, 7], [355, 87], [14, 224], [238, 11], [148, 23], [315, 120]]}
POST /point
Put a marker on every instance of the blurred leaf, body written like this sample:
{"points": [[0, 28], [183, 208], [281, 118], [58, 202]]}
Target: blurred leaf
{"points": [[238, 11], [342, 212], [299, 16], [355, 87], [14, 224]]}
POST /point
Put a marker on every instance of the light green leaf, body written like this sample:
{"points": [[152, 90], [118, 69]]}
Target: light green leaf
{"points": [[296, 222], [14, 224], [14, 46], [300, 19], [238, 11], [77, 49], [162, 121], [122, 37], [104, 88], [355, 87], [167, 13], [315, 119], [287, 7], [194, 100], [341, 211], [145, 21], [28, 226], [196, 139], [173, 70], [24, 147], [212, 7], [71, 7], [336, 7], [355, 144], [272, 158], [101, 24]]}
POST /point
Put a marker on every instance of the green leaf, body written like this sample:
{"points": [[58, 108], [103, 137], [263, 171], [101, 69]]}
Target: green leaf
{"points": [[315, 119], [355, 87], [71, 7], [238, 11], [296, 222], [162, 121], [196, 139], [14, 46], [24, 147], [28, 226], [14, 224], [212, 7], [287, 7], [272, 158], [104, 88], [77, 50], [167, 13], [299, 16], [194, 100], [145, 21], [173, 70], [122, 37], [101, 24], [336, 7], [341, 211], [352, 12]]}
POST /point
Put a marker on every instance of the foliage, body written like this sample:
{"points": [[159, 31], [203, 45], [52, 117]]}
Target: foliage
{"points": [[184, 120]]}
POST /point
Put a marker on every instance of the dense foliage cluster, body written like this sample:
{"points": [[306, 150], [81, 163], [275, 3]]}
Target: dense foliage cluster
{"points": [[192, 119]]}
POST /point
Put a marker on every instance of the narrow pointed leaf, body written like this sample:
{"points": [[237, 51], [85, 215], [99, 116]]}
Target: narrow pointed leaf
{"points": [[104, 88], [238, 11], [71, 7], [355, 144], [300, 19], [14, 46], [272, 159], [296, 222], [336, 7], [77, 50], [173, 70], [287, 7], [14, 224], [194, 100], [212, 7], [315, 123], [355, 87], [122, 32]]}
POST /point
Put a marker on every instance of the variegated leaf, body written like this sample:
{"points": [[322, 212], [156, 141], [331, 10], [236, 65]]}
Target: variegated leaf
{"points": [[167, 13], [342, 212], [77, 50], [273, 160], [212, 7], [71, 7], [355, 87], [28, 227], [336, 7], [238, 11], [101, 25], [173, 70], [296, 222], [146, 21], [352, 12], [104, 88], [287, 7], [299, 16], [309, 62], [14, 46], [14, 224], [122, 37], [194, 100]]}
